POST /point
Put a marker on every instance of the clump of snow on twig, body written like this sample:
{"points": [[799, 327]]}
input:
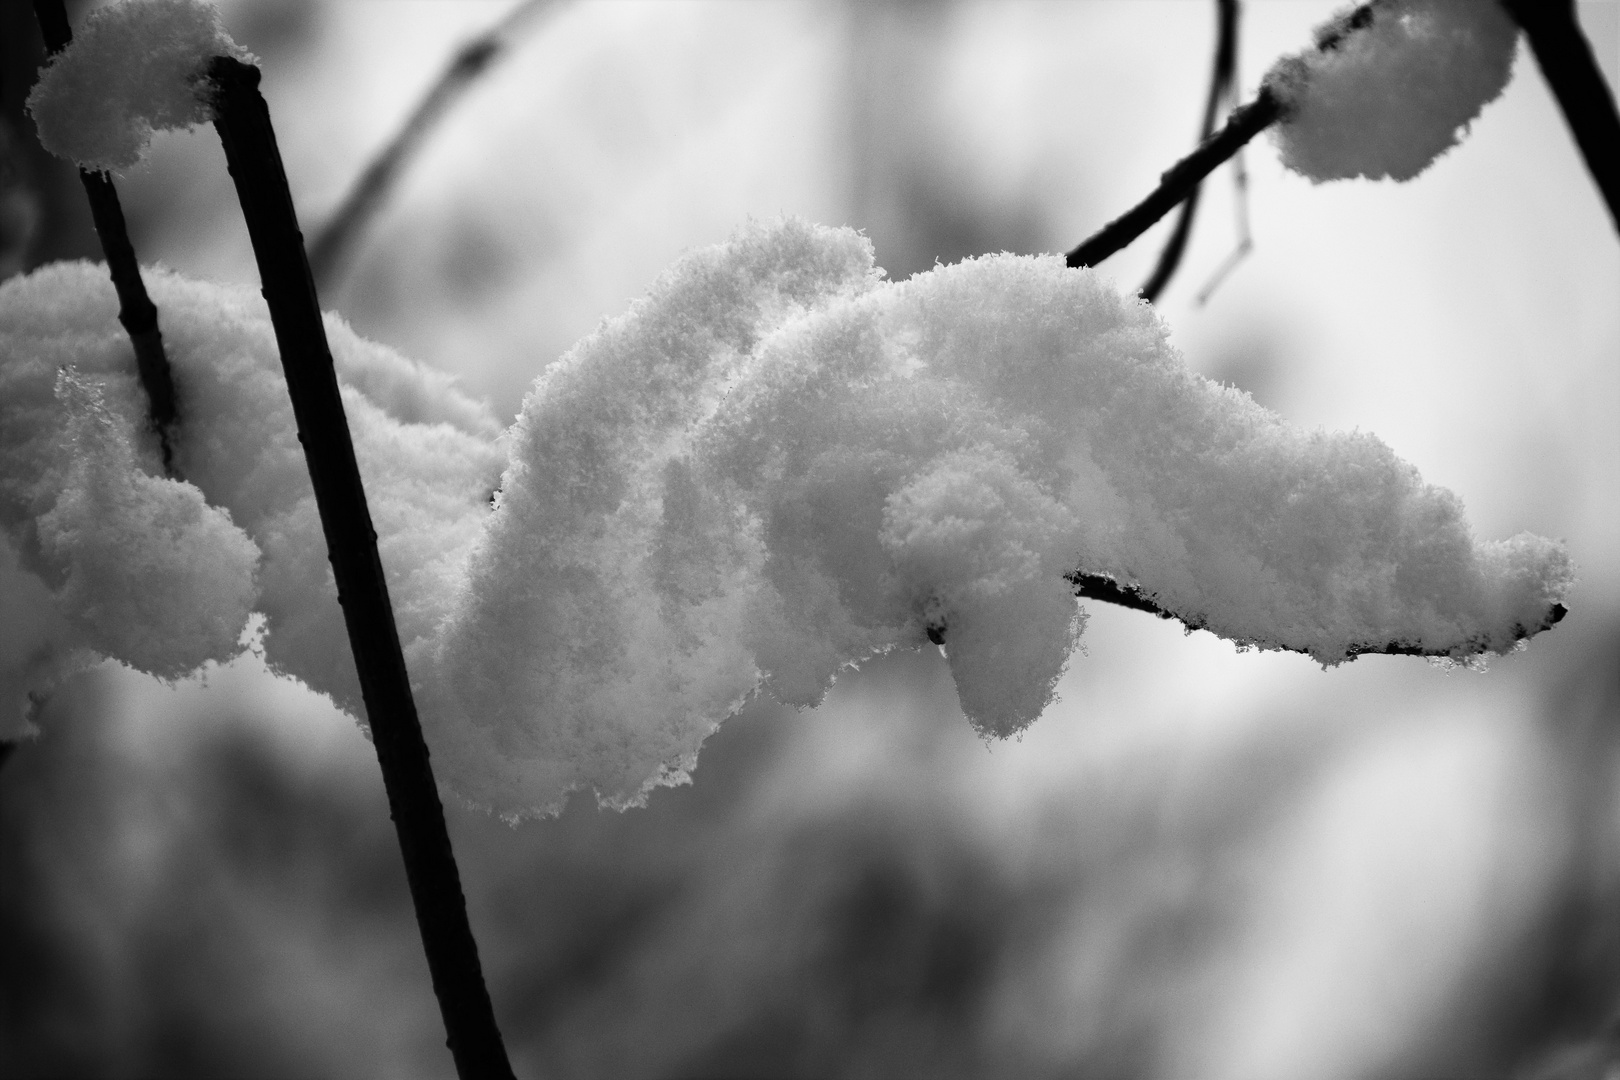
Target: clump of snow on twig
{"points": [[133, 68], [775, 465], [1389, 86]]}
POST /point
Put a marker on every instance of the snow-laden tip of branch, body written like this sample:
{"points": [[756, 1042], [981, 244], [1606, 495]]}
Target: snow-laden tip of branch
{"points": [[133, 68], [1389, 85], [777, 465], [774, 466]]}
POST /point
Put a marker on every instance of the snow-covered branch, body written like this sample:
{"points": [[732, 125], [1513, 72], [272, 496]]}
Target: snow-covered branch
{"points": [[136, 311], [774, 466]]}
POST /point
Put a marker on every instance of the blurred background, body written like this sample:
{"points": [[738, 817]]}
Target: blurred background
{"points": [[1199, 864]]}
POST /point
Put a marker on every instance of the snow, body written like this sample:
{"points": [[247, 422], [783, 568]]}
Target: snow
{"points": [[133, 68], [76, 451], [1389, 86], [775, 465]]}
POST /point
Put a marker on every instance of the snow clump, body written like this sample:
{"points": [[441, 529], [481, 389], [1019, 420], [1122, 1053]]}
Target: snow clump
{"points": [[1389, 85], [772, 467], [133, 68], [107, 556]]}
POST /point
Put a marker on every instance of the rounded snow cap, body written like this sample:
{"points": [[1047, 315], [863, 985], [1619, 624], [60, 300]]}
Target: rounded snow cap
{"points": [[134, 68], [1389, 86]]}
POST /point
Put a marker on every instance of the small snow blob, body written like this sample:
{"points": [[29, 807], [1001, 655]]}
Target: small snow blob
{"points": [[133, 68], [1389, 85], [149, 571]]}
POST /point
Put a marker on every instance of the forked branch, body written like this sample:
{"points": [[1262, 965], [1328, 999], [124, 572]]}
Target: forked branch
{"points": [[1220, 89], [1183, 177]]}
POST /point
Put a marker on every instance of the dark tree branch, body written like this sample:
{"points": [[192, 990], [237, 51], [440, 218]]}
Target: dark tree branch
{"points": [[335, 242], [243, 122], [1566, 61], [1109, 591], [1245, 123], [1220, 89], [136, 311]]}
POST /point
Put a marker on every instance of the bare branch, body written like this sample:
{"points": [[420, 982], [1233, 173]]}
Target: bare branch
{"points": [[334, 244], [243, 122], [1220, 89], [1245, 123], [1566, 61]]}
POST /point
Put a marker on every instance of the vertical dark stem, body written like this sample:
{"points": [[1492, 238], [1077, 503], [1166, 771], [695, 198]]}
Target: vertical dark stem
{"points": [[1567, 63], [1220, 88], [243, 122], [136, 311]]}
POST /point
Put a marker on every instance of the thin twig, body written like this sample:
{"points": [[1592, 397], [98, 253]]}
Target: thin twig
{"points": [[243, 122], [1245, 123], [1245, 244], [335, 241], [1103, 588], [136, 311], [1567, 63], [1220, 89], [1240, 207]]}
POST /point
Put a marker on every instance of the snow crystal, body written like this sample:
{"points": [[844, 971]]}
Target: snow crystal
{"points": [[775, 465], [133, 68], [1389, 85]]}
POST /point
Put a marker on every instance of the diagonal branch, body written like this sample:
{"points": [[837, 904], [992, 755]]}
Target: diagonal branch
{"points": [[136, 311], [1566, 61], [1106, 589], [1220, 89], [243, 122], [335, 242], [1245, 123]]}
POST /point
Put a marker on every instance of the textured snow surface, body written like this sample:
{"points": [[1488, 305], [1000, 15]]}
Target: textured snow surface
{"points": [[133, 68], [773, 466], [1390, 85], [80, 475]]}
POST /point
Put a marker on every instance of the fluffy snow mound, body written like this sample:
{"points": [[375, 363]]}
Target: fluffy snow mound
{"points": [[773, 466], [133, 68], [85, 513], [1389, 86]]}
